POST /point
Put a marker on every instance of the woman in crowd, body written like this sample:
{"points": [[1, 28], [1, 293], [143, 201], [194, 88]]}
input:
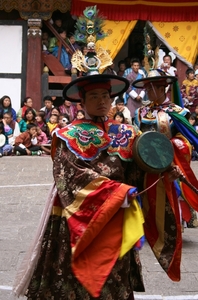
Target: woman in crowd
{"points": [[69, 109], [27, 103], [6, 106], [29, 117]]}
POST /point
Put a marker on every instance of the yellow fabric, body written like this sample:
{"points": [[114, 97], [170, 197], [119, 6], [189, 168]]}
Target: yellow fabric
{"points": [[181, 36], [132, 227], [118, 32]]}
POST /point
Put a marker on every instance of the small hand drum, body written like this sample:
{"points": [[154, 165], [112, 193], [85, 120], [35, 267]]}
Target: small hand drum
{"points": [[153, 152]]}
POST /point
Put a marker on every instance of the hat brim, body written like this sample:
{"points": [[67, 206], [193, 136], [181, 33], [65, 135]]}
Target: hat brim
{"points": [[72, 91], [163, 80]]}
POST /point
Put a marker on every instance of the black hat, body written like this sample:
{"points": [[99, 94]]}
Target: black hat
{"points": [[75, 90], [157, 76]]}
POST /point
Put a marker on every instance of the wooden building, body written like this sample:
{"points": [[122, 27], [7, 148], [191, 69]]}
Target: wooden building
{"points": [[21, 23]]}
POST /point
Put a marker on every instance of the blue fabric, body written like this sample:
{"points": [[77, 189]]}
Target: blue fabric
{"points": [[185, 128], [64, 57]]}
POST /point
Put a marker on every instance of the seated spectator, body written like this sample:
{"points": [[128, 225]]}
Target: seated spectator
{"points": [[63, 121], [29, 117], [43, 141], [41, 123], [55, 111], [119, 117], [53, 48], [5, 148], [52, 124], [41, 136], [13, 128], [189, 89], [45, 40], [27, 103], [120, 107], [26, 143], [69, 109], [72, 42], [80, 114], [57, 23], [48, 102], [121, 68], [6, 106]]}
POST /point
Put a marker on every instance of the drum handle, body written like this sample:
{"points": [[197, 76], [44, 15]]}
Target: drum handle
{"points": [[181, 178], [137, 194]]}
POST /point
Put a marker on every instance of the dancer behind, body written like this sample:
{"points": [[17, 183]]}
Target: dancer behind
{"points": [[170, 119]]}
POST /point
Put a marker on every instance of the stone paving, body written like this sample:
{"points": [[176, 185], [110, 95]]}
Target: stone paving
{"points": [[24, 186]]}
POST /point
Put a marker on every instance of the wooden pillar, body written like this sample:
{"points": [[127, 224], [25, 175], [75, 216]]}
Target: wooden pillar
{"points": [[33, 74]]}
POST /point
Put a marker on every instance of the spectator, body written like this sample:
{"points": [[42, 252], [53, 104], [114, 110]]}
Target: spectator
{"points": [[14, 129], [52, 124], [45, 40], [5, 148], [48, 102], [55, 111], [53, 48], [6, 106], [189, 89], [41, 123], [119, 117], [120, 107], [26, 143], [41, 136], [29, 117], [110, 70], [27, 103], [167, 67], [80, 114], [69, 109], [134, 96], [121, 68]]}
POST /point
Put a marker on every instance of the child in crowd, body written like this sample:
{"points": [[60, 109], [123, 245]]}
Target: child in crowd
{"points": [[80, 114], [189, 90], [120, 107], [55, 111], [63, 121], [26, 143], [119, 117], [5, 148], [41, 136], [52, 124], [48, 102], [41, 123]]}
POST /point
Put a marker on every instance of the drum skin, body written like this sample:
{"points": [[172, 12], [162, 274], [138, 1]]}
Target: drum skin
{"points": [[153, 152]]}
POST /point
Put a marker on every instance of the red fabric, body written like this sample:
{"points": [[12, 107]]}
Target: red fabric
{"points": [[185, 11], [97, 246], [151, 231], [185, 208], [189, 195]]}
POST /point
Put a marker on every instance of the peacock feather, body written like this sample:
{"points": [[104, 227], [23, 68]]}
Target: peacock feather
{"points": [[91, 23]]}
